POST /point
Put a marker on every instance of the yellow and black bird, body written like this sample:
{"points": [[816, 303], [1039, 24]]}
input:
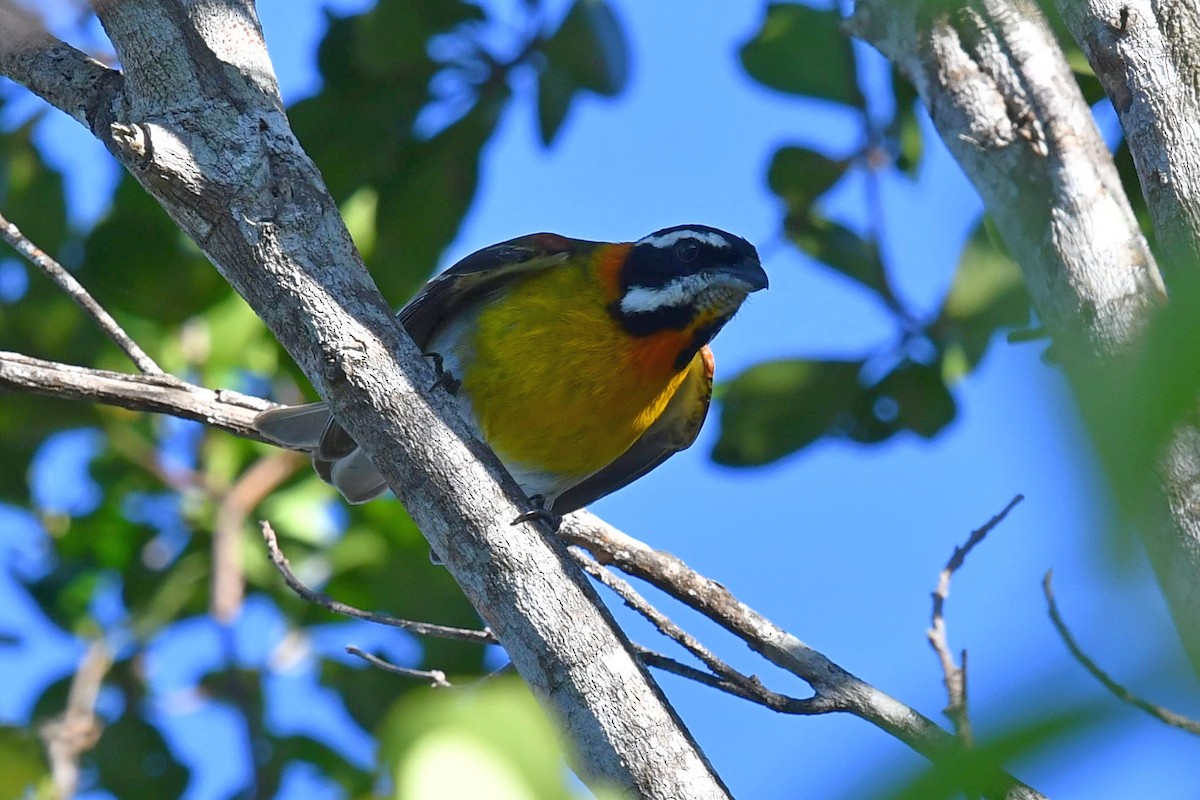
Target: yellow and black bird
{"points": [[584, 365]]}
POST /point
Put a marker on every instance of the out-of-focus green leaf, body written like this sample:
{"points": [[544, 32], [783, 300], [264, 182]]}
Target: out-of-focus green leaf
{"points": [[988, 294], [490, 741], [424, 199], [132, 760], [590, 47], [1134, 405], [802, 50], [138, 261], [31, 193], [977, 771], [903, 130], [391, 38], [799, 175], [555, 92], [922, 403], [838, 247], [778, 407], [23, 765], [587, 52]]}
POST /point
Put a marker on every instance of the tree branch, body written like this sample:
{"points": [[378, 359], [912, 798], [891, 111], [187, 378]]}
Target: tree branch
{"points": [[66, 78], [74, 289], [77, 729], [199, 122], [325, 601], [1146, 54], [1120, 692], [836, 689], [1006, 104], [956, 676]]}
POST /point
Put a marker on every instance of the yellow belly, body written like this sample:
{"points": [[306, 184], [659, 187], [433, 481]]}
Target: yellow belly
{"points": [[559, 390]]}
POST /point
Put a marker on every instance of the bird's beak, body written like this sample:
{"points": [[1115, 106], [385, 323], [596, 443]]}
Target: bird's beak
{"points": [[747, 275]]}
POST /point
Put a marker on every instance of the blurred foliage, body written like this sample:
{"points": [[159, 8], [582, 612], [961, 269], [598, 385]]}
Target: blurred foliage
{"points": [[775, 409], [412, 93]]}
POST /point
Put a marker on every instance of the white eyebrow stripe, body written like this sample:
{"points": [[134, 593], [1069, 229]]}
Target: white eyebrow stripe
{"points": [[665, 240], [644, 299]]}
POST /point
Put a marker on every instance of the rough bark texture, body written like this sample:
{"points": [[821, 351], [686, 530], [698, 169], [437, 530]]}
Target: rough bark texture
{"points": [[1003, 99], [196, 117], [1146, 54]]}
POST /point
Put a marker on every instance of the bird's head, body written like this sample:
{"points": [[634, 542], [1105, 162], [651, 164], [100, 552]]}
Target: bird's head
{"points": [[689, 279]]}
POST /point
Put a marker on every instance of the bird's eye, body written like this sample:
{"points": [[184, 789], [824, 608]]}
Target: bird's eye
{"points": [[687, 250]]}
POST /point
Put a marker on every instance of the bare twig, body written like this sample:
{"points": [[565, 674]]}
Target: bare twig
{"points": [[436, 677], [835, 688], [772, 700], [74, 289], [1120, 692], [230, 411], [955, 677], [328, 603], [747, 683], [77, 729], [228, 581]]}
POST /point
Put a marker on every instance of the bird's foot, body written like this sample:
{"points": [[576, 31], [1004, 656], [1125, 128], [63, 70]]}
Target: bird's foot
{"points": [[539, 513], [445, 379]]}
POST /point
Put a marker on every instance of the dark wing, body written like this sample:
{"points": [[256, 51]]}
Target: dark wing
{"points": [[449, 293], [675, 430], [482, 272]]}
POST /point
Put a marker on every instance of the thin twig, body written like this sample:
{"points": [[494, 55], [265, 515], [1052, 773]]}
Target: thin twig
{"points": [[772, 700], [325, 601], [955, 677], [74, 289], [1160, 713], [747, 683], [435, 676], [77, 729]]}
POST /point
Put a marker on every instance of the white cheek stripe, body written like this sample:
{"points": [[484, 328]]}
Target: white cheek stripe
{"points": [[665, 240], [644, 299]]}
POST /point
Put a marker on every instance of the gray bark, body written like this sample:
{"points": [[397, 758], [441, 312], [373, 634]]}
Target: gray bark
{"points": [[196, 118], [1004, 101]]}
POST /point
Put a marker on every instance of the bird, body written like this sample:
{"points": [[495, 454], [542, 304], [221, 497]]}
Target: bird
{"points": [[583, 364]]}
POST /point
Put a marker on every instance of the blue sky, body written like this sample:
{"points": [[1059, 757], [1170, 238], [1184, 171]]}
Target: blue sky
{"points": [[841, 544]]}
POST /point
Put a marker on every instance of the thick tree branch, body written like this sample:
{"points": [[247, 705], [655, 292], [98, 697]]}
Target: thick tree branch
{"points": [[1003, 98], [64, 77], [198, 121], [1146, 54], [836, 689]]}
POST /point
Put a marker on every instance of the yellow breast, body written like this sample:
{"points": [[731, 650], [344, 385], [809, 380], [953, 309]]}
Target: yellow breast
{"points": [[556, 385]]}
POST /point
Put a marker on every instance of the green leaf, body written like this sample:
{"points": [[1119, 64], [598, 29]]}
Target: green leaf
{"points": [[903, 131], [555, 92], [492, 741], [22, 763], [802, 50], [799, 175], [31, 193], [779, 407], [840, 248], [424, 199], [132, 760], [987, 294], [391, 38], [590, 48], [587, 52], [916, 398], [138, 261]]}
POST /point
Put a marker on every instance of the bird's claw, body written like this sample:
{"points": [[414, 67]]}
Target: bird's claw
{"points": [[539, 513]]}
